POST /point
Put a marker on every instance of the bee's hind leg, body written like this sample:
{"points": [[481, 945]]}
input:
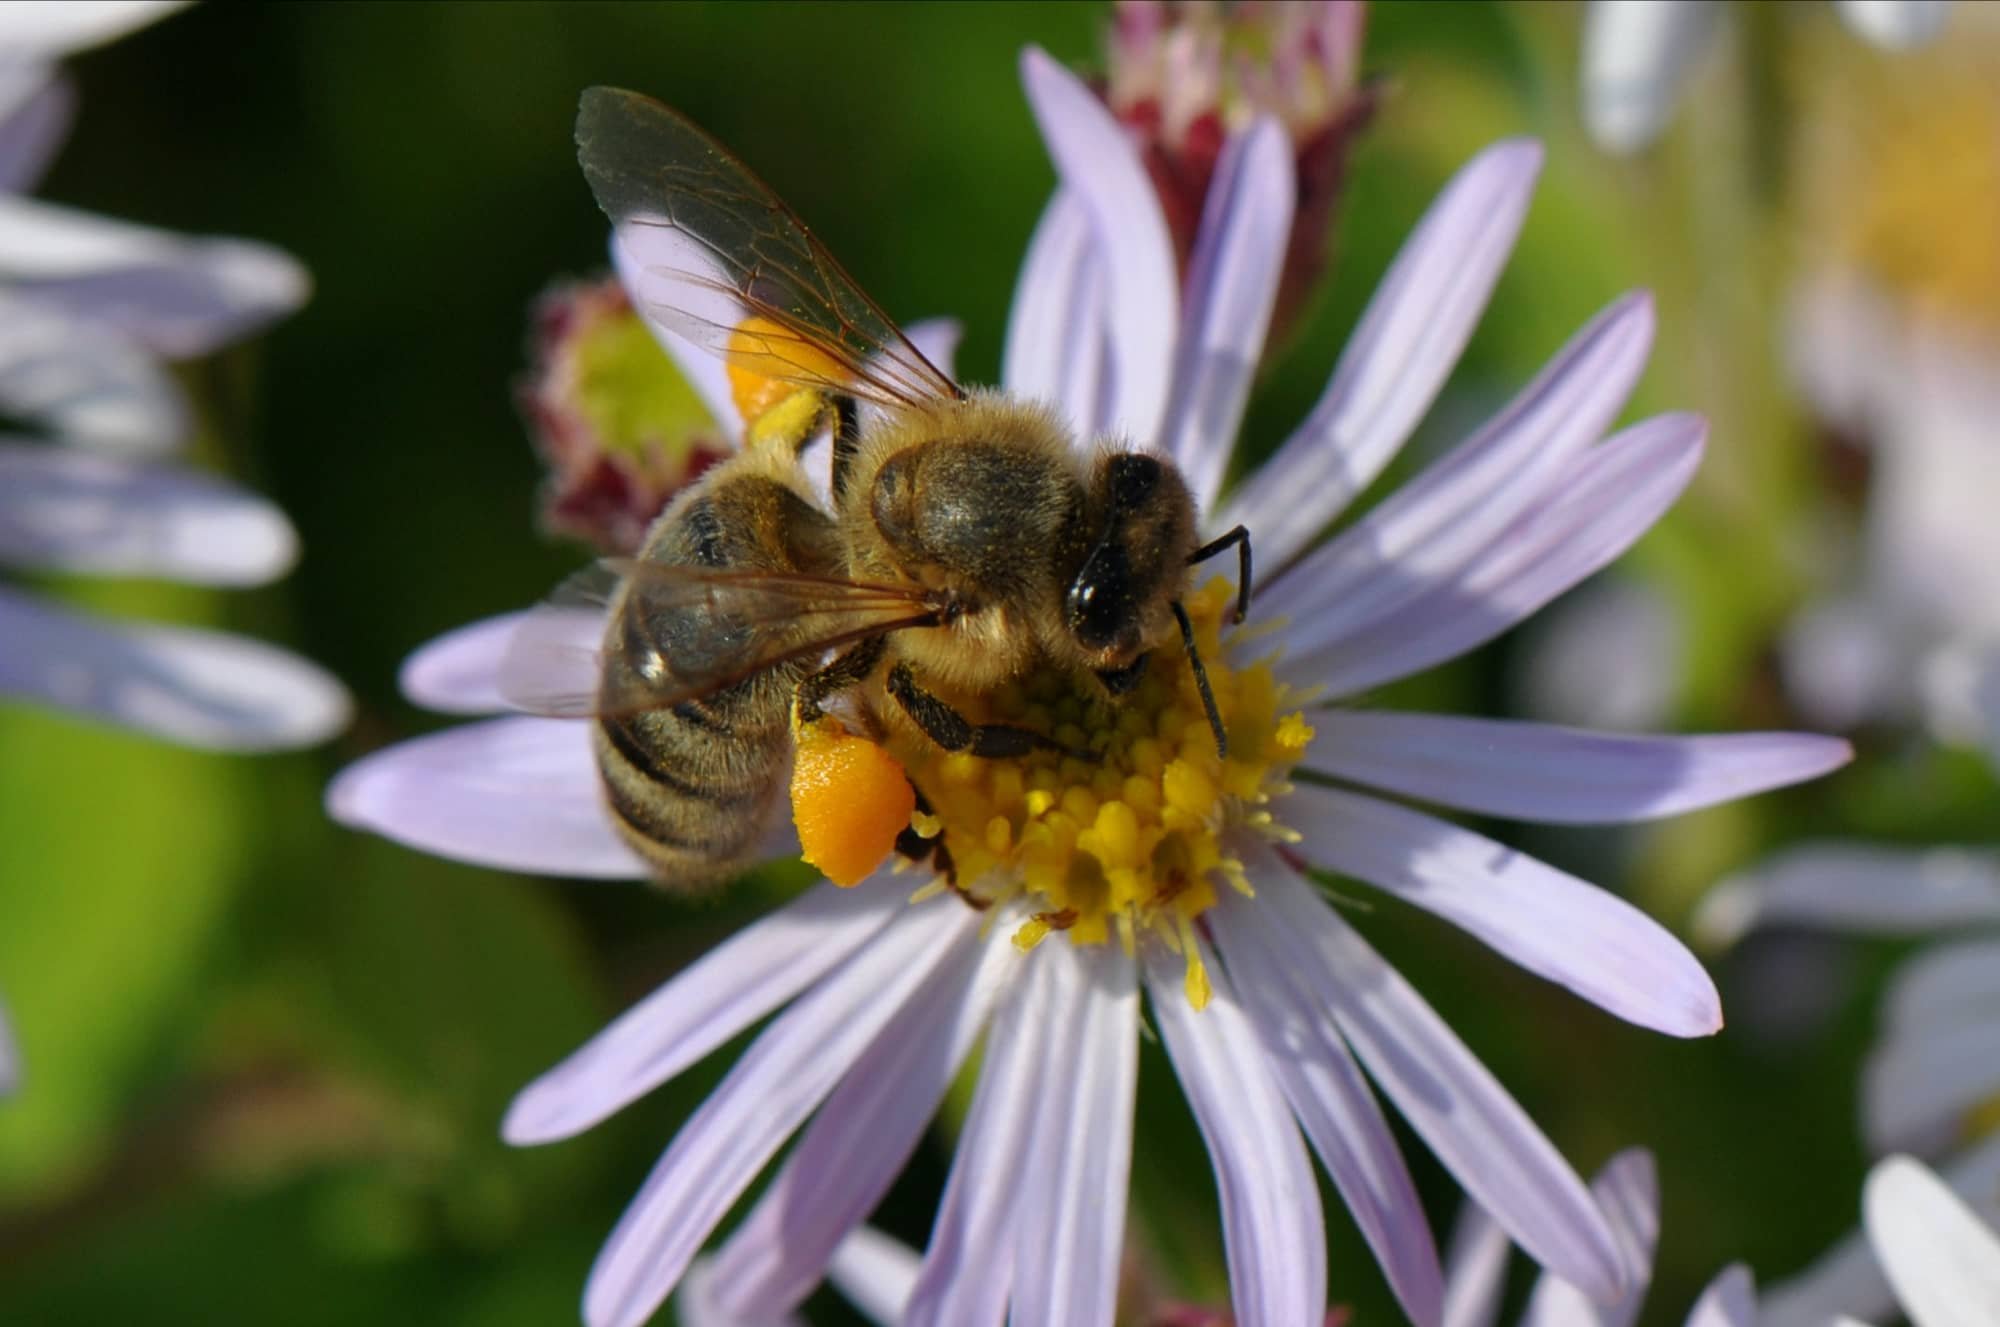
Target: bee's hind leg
{"points": [[845, 670], [919, 849], [954, 732]]}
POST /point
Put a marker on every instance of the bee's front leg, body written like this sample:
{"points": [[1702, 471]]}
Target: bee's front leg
{"points": [[954, 732], [843, 671]]}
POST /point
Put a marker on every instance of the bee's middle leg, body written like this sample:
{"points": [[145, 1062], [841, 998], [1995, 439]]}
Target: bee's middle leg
{"points": [[954, 732]]}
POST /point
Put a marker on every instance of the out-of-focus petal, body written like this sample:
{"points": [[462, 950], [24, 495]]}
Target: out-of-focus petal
{"points": [[1232, 286], [1334, 1107], [863, 1135], [199, 688], [10, 1058], [782, 1077], [1611, 654], [1454, 508], [1551, 923], [1475, 1269], [1628, 1190], [1897, 25], [1480, 1133], [937, 340], [1856, 887], [36, 106], [1942, 1259], [172, 294], [876, 1274], [717, 996], [697, 1305], [516, 794], [1101, 169], [84, 383], [70, 510], [1847, 1278], [459, 672], [1071, 1216], [1399, 356], [45, 29], [1949, 983], [968, 1267], [1055, 330], [1610, 498], [1729, 1301], [1565, 776], [1273, 1232], [704, 371], [1920, 1081], [1637, 55]]}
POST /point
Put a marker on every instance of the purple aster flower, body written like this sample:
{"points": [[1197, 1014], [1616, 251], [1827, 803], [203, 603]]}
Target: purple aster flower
{"points": [[1166, 873], [88, 308]]}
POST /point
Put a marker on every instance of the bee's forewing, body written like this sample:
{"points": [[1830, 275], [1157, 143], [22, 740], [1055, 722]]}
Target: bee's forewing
{"points": [[718, 259], [554, 663]]}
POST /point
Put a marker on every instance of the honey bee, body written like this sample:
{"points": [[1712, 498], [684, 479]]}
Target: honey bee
{"points": [[968, 540]]}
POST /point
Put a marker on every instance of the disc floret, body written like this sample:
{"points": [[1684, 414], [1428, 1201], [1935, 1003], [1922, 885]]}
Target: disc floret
{"points": [[1131, 842]]}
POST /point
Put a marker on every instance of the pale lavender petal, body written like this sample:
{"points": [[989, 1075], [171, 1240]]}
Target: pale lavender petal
{"points": [[1551, 923], [697, 1305], [1475, 1269], [459, 672], [1896, 25], [727, 989], [199, 688], [1565, 776], [876, 1274], [781, 1078], [1055, 329], [1071, 1215], [936, 339], [1274, 1235], [36, 106], [1610, 498], [174, 295], [1628, 1189], [84, 383], [1637, 55], [1729, 1301], [1920, 1082], [69, 510], [704, 370], [968, 1268], [1950, 983], [1099, 166], [1847, 1278], [1232, 286], [862, 1137], [1943, 1260], [1856, 887], [42, 29], [1334, 1107], [1480, 1133], [516, 794], [1430, 526], [1397, 359]]}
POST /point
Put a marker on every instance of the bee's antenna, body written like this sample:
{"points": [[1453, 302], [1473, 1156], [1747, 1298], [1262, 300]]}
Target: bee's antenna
{"points": [[1240, 537], [1201, 681]]}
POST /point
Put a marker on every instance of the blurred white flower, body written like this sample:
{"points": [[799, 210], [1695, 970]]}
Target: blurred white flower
{"points": [[88, 307], [1638, 55], [1606, 655]]}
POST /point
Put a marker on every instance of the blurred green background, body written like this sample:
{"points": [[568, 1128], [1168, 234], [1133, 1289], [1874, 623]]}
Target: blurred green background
{"points": [[266, 1058]]}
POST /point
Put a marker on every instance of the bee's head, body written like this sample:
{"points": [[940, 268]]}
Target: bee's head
{"points": [[1119, 603]]}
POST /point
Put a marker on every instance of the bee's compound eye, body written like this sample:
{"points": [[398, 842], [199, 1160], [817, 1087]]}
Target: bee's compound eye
{"points": [[1099, 603]]}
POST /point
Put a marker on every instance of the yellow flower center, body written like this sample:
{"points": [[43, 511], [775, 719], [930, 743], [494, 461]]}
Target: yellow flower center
{"points": [[1129, 843]]}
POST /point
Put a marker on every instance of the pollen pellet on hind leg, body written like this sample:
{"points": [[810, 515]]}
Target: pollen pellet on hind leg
{"points": [[850, 799]]}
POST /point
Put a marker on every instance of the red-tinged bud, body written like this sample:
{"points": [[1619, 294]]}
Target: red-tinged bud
{"points": [[1186, 74], [618, 426]]}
